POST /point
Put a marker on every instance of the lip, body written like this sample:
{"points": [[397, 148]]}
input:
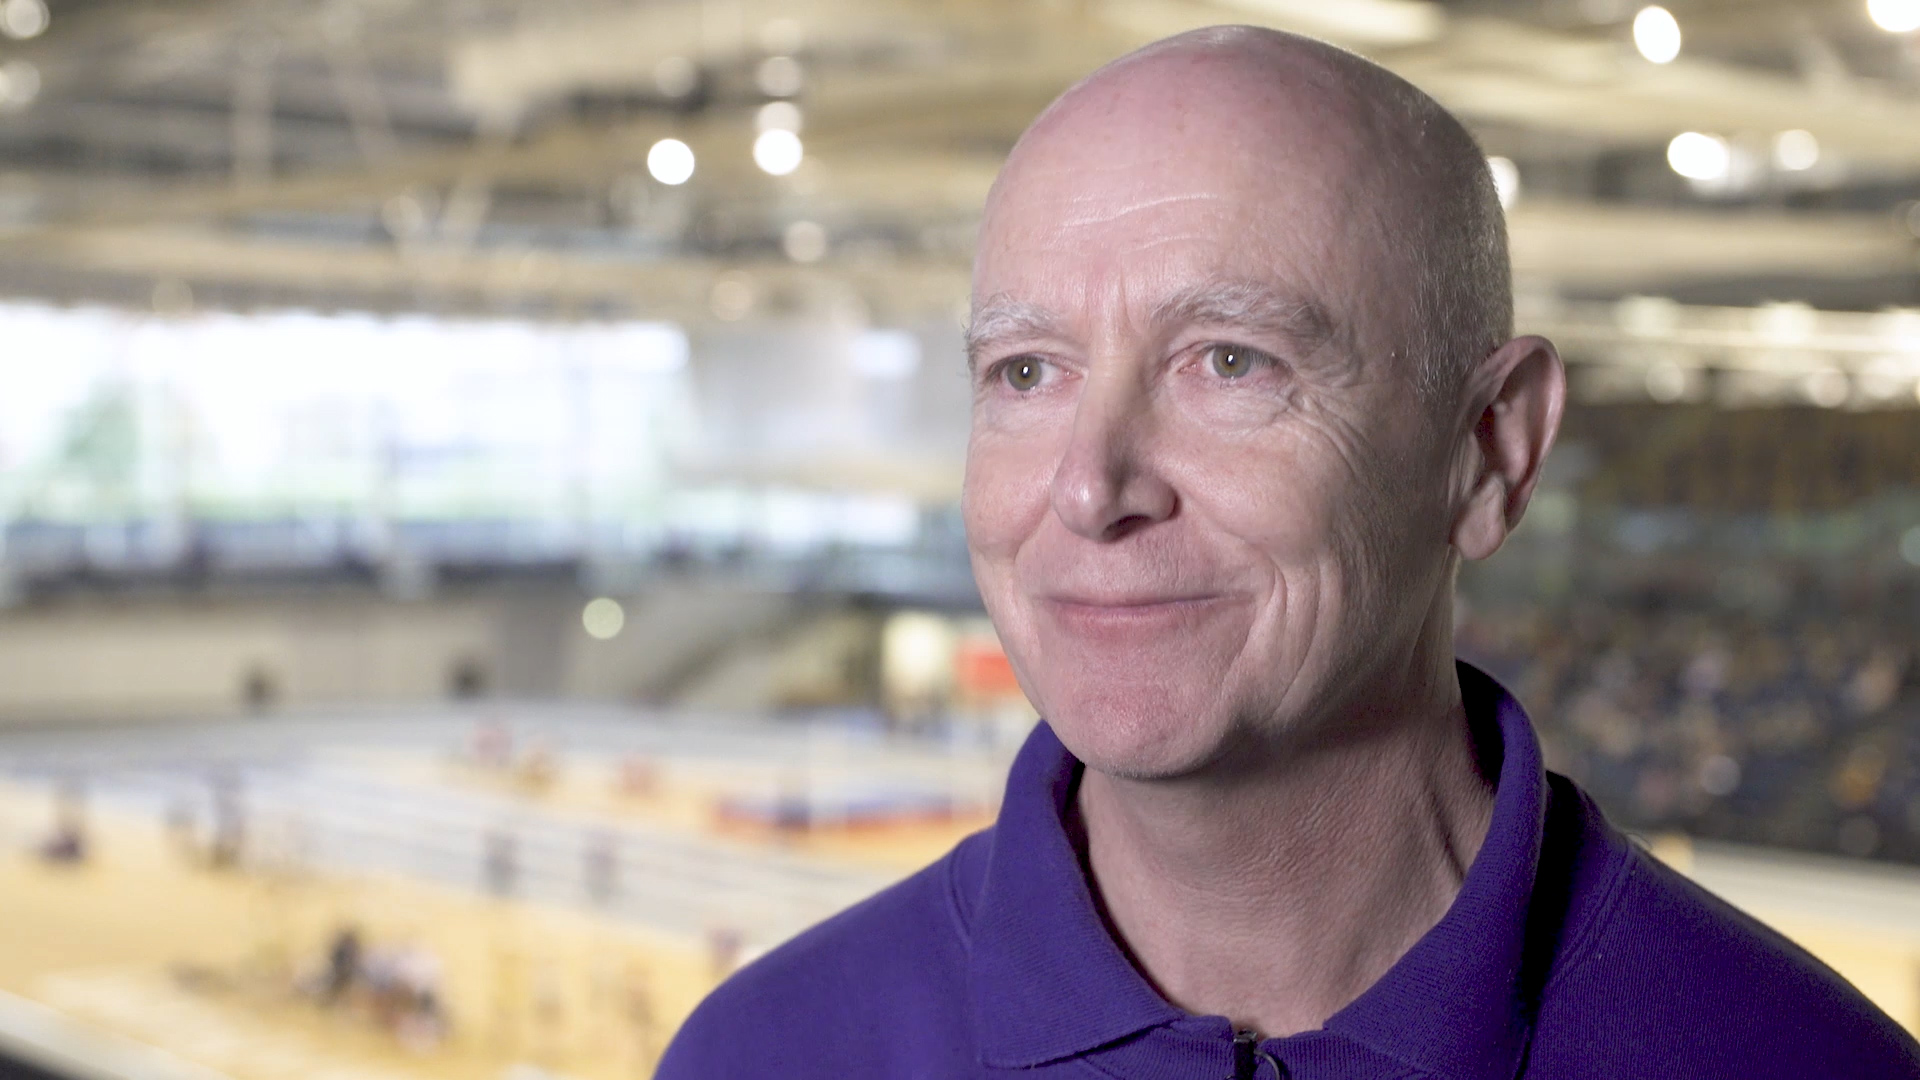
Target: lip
{"points": [[1126, 603], [1119, 613]]}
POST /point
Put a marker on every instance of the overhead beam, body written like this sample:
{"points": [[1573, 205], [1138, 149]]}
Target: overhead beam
{"points": [[1563, 246]]}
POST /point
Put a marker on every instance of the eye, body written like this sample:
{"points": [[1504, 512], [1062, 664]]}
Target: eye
{"points": [[1234, 361], [1022, 372]]}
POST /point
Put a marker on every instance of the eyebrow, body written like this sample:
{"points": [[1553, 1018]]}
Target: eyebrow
{"points": [[1251, 306], [1001, 318]]}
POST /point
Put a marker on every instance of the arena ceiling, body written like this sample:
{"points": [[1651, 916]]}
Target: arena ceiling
{"points": [[478, 155]]}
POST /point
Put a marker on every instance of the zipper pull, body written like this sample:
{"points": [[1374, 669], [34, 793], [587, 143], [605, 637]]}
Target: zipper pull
{"points": [[1246, 1050], [1247, 1057]]}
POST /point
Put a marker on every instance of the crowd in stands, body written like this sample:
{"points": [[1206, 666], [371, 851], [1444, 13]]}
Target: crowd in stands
{"points": [[1799, 727]]}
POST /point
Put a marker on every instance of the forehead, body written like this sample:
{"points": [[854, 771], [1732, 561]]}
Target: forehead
{"points": [[1130, 199]]}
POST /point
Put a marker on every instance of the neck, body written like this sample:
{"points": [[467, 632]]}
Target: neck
{"points": [[1277, 892]]}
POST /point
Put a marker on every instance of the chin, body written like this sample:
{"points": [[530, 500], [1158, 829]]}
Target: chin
{"points": [[1139, 732], [1146, 695]]}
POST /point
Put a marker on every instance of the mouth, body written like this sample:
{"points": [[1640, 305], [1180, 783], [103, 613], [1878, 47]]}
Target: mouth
{"points": [[1122, 614]]}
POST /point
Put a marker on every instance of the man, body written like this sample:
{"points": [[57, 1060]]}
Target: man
{"points": [[1245, 394]]}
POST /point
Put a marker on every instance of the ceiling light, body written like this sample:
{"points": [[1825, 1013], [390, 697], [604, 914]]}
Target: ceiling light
{"points": [[1386, 23], [1901, 327], [404, 216], [1878, 383], [1895, 16], [1666, 383], [1796, 151], [732, 297], [1647, 316], [19, 85], [670, 161], [1699, 157], [23, 19], [777, 152], [675, 76], [603, 618], [1790, 322], [1656, 34], [1827, 388], [778, 116], [778, 76], [804, 242], [1506, 180]]}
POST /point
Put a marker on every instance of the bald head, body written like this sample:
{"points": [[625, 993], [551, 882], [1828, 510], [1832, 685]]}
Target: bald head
{"points": [[1223, 457], [1326, 152]]}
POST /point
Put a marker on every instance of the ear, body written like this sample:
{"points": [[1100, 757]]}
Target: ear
{"points": [[1518, 394]]}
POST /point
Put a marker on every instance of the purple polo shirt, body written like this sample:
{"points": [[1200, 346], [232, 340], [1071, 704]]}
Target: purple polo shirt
{"points": [[1569, 952]]}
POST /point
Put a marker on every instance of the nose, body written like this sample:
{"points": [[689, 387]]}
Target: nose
{"points": [[1105, 486]]}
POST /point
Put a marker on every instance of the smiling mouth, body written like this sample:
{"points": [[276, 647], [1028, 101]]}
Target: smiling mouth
{"points": [[1129, 611], [1128, 602]]}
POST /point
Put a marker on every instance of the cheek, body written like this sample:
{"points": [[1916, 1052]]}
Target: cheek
{"points": [[1005, 494], [1249, 409], [1355, 516], [1278, 490], [1312, 503]]}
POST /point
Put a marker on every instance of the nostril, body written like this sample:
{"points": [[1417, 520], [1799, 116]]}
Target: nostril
{"points": [[1162, 508], [1126, 526]]}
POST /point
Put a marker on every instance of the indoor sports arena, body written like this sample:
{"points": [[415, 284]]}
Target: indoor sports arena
{"points": [[482, 555]]}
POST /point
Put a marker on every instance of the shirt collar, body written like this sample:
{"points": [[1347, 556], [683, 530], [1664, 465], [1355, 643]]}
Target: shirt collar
{"points": [[1049, 982]]}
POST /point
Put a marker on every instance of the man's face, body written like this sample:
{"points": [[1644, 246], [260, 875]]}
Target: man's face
{"points": [[1203, 498]]}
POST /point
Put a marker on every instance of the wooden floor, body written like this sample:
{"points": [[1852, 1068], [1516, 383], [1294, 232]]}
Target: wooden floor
{"points": [[203, 965], [145, 962]]}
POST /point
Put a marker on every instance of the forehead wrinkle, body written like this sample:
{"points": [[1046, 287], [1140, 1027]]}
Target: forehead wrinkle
{"points": [[1107, 215], [1134, 246]]}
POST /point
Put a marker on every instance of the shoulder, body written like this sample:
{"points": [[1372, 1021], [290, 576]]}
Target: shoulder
{"points": [[883, 981], [1663, 977]]}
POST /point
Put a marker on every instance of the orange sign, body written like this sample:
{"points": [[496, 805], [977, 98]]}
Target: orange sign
{"points": [[981, 670]]}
